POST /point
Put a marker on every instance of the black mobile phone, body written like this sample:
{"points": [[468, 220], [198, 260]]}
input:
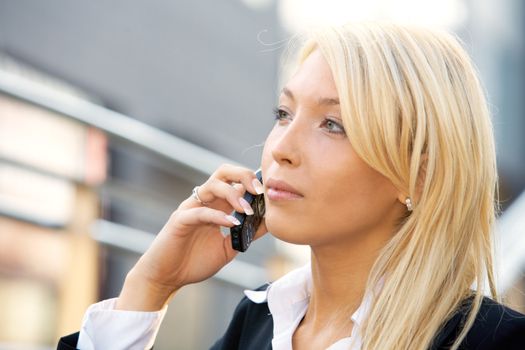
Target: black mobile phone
{"points": [[242, 235]]}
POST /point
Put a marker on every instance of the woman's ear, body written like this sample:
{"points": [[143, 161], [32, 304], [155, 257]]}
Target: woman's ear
{"points": [[402, 198]]}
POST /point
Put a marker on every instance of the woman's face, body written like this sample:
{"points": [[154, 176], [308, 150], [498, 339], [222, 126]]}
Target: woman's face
{"points": [[339, 197]]}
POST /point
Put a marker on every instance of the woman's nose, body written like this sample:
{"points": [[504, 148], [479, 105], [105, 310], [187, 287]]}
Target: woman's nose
{"points": [[287, 144]]}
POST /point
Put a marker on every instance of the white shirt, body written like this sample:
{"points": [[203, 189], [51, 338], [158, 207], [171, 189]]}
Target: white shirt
{"points": [[104, 327]]}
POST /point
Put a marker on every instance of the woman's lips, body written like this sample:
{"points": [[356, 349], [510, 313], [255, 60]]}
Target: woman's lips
{"points": [[281, 190], [279, 195]]}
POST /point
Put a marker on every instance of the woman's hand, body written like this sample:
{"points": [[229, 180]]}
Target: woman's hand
{"points": [[190, 247]]}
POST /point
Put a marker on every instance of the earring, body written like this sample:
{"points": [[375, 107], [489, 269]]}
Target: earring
{"points": [[408, 203]]}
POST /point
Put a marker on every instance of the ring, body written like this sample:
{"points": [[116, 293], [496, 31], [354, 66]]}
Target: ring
{"points": [[195, 195]]}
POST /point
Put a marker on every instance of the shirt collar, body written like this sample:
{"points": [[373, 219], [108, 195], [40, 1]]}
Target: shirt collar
{"points": [[288, 299]]}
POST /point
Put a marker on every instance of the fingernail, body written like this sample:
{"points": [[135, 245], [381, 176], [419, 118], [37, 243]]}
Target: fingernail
{"points": [[246, 206], [258, 186], [232, 219]]}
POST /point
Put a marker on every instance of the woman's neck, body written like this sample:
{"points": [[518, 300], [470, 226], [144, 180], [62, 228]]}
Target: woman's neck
{"points": [[338, 284], [340, 272]]}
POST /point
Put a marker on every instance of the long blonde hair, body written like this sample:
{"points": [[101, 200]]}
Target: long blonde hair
{"points": [[414, 110]]}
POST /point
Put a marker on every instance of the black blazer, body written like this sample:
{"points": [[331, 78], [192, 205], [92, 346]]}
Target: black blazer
{"points": [[496, 328]]}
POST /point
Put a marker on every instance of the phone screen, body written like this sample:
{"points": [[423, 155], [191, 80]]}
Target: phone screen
{"points": [[242, 235]]}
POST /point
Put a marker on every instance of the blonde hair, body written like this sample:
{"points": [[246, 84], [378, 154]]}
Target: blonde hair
{"points": [[414, 110]]}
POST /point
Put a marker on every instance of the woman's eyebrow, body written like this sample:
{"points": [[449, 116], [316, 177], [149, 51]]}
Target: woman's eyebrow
{"points": [[328, 101], [288, 93], [322, 100]]}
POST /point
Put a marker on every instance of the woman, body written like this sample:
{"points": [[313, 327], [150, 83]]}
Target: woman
{"points": [[382, 160]]}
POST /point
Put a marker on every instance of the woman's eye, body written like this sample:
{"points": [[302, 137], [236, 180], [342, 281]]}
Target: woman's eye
{"points": [[334, 127], [280, 114]]}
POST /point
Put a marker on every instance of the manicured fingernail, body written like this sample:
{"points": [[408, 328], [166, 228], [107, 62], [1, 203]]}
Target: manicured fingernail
{"points": [[232, 219], [258, 186], [246, 206]]}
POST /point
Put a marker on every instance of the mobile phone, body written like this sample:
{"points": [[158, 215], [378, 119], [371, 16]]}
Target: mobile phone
{"points": [[242, 235]]}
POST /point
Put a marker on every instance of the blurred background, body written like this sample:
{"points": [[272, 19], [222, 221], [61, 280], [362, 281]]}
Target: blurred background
{"points": [[112, 111]]}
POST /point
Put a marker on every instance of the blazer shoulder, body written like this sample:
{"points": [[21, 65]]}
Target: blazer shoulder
{"points": [[496, 326]]}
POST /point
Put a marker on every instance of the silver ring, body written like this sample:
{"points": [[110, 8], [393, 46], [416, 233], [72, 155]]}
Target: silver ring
{"points": [[195, 195]]}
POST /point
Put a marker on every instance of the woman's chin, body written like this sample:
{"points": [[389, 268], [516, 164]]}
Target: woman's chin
{"points": [[286, 230]]}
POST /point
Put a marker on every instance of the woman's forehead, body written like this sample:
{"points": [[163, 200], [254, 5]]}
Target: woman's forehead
{"points": [[313, 79]]}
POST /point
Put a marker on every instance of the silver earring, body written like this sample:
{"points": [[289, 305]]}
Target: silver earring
{"points": [[408, 203]]}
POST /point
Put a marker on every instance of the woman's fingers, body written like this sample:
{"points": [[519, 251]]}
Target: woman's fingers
{"points": [[203, 215], [219, 195], [235, 174], [231, 174], [227, 183], [232, 194]]}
